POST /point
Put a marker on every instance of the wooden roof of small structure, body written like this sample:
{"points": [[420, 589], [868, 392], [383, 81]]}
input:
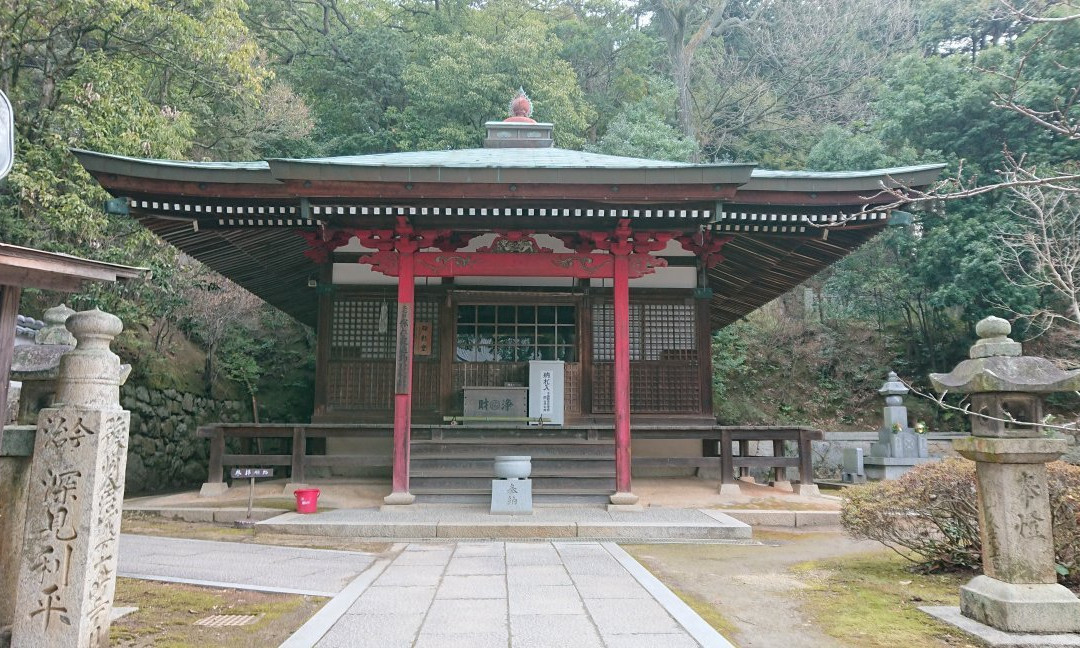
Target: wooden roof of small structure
{"points": [[32, 268], [242, 218]]}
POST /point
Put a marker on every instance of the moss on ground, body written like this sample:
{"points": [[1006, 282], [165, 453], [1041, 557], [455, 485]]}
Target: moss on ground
{"points": [[168, 611], [706, 611], [872, 601]]}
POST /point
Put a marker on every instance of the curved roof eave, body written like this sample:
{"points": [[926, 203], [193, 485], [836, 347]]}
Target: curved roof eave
{"points": [[176, 170], [830, 181]]}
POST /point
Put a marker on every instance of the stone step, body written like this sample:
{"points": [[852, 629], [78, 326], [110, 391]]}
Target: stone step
{"points": [[589, 484], [483, 449], [561, 466], [539, 499], [502, 433]]}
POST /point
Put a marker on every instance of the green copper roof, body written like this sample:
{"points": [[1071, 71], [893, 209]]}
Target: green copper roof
{"points": [[506, 165], [495, 165], [518, 158]]}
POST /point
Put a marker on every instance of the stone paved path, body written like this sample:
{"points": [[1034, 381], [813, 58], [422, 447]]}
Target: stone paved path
{"points": [[521, 595], [317, 572]]}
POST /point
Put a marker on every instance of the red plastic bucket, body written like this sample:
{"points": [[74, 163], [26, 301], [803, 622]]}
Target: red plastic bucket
{"points": [[307, 500]]}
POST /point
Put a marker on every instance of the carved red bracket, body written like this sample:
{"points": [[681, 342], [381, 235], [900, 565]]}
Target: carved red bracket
{"points": [[706, 246], [514, 242], [321, 244], [623, 240], [403, 238]]}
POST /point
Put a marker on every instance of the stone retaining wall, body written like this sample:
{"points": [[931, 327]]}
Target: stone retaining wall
{"points": [[164, 452]]}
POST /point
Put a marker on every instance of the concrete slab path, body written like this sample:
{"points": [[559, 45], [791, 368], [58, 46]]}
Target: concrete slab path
{"points": [[516, 595], [472, 594], [291, 570]]}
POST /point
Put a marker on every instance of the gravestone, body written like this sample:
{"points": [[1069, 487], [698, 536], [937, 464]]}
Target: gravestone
{"points": [[67, 575], [1018, 590], [899, 447], [853, 470]]}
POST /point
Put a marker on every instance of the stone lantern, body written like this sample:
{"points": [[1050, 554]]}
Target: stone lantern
{"points": [[1018, 591]]}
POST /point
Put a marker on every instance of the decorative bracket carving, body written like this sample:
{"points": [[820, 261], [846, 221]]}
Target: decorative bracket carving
{"points": [[705, 245], [323, 242], [514, 242]]}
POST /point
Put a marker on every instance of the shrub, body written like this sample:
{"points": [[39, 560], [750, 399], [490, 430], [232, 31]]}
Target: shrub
{"points": [[930, 516]]}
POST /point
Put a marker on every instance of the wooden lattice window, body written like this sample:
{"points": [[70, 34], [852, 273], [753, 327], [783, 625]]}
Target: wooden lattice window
{"points": [[516, 333], [657, 332], [664, 375], [363, 327]]}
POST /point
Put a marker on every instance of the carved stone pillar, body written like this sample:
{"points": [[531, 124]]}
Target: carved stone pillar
{"points": [[1018, 591], [67, 576]]}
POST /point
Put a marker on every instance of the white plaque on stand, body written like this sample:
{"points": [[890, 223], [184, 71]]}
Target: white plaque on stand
{"points": [[546, 390]]}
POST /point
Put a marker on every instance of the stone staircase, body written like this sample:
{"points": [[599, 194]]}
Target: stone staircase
{"points": [[567, 466]]}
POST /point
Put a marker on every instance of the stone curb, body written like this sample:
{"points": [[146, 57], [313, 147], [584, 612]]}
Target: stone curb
{"points": [[784, 518], [311, 632], [511, 531], [508, 529], [225, 584], [701, 631], [196, 514]]}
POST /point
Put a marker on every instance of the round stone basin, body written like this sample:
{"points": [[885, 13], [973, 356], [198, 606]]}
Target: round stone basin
{"points": [[513, 467]]}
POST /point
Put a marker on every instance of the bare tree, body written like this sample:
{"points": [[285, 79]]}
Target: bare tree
{"points": [[776, 66], [1044, 253], [215, 306], [686, 25]]}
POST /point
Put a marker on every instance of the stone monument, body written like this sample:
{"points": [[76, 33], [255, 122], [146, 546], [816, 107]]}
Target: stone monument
{"points": [[899, 447], [67, 574], [1018, 591]]}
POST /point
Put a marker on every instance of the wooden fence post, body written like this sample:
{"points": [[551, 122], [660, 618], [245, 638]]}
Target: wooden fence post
{"points": [[299, 452]]}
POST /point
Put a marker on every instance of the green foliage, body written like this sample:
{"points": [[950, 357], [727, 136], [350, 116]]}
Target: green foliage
{"points": [[645, 129], [765, 364], [460, 81], [930, 516]]}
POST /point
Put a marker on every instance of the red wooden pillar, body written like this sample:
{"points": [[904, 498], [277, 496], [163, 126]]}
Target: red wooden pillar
{"points": [[622, 381], [403, 374]]}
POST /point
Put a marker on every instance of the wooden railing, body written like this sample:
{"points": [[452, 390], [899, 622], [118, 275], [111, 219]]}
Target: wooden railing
{"points": [[298, 460], [723, 437]]}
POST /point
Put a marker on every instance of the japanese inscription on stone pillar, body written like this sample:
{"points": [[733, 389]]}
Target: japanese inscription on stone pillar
{"points": [[67, 577]]}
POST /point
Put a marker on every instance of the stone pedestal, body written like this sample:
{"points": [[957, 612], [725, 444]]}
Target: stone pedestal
{"points": [[879, 468], [1019, 591], [67, 575], [511, 497]]}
